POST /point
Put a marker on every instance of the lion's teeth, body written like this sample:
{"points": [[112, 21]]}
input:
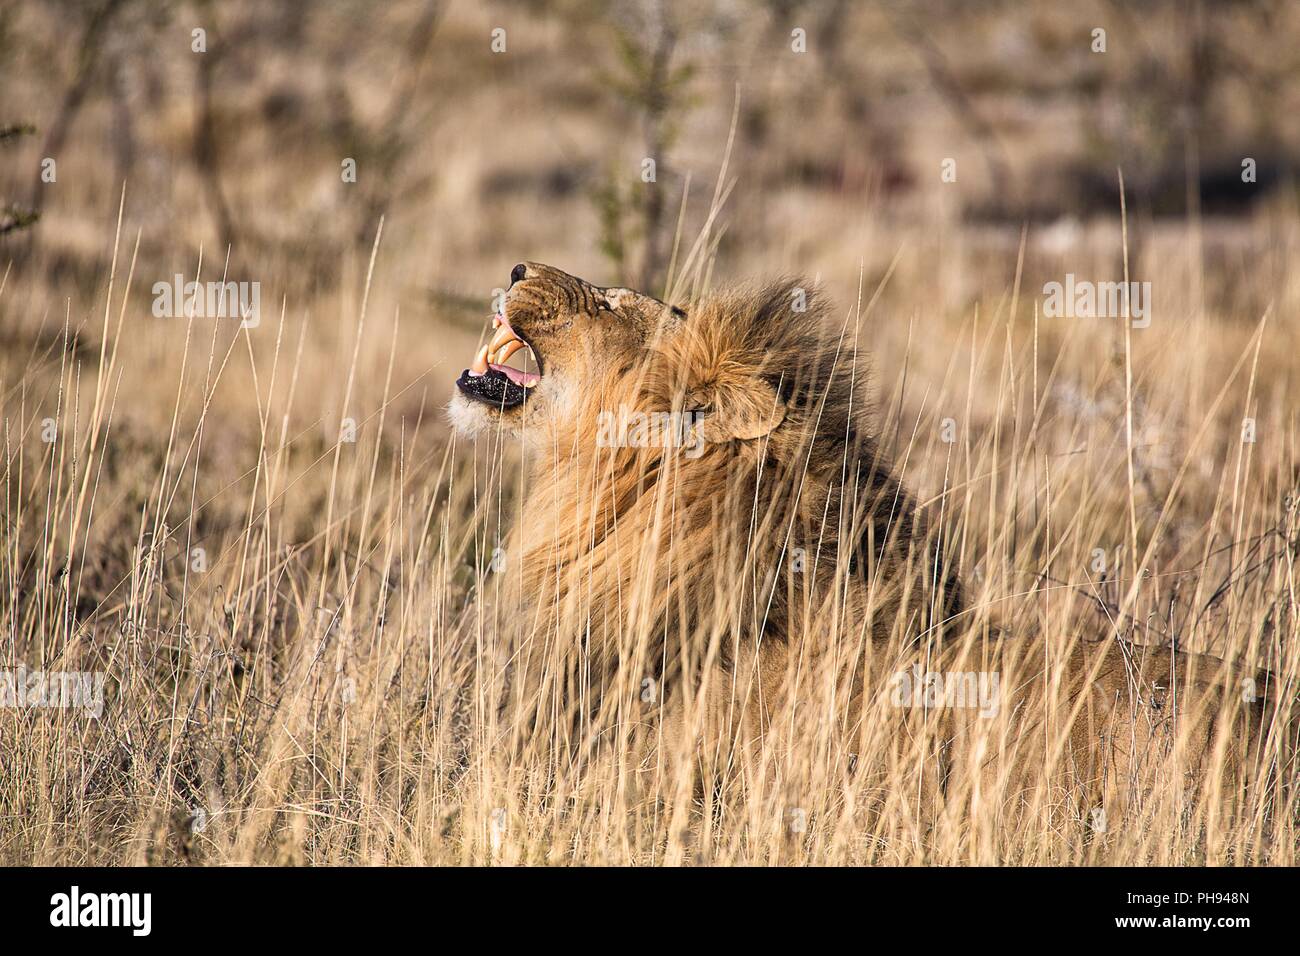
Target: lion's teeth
{"points": [[503, 345], [503, 336], [480, 365], [507, 350]]}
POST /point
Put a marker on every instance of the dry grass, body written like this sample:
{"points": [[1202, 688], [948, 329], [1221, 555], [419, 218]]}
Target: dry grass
{"points": [[328, 688], [323, 682]]}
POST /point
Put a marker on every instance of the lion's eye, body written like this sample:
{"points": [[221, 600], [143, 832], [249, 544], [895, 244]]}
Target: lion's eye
{"points": [[603, 306]]}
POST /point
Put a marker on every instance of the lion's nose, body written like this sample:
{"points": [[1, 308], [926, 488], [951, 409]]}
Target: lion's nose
{"points": [[518, 273]]}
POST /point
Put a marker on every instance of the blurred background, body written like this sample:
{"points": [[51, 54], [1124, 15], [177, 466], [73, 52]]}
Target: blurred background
{"points": [[490, 132]]}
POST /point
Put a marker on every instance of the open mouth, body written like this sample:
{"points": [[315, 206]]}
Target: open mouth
{"points": [[490, 380]]}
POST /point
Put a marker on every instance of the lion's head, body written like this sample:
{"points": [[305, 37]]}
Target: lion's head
{"points": [[567, 357], [554, 340]]}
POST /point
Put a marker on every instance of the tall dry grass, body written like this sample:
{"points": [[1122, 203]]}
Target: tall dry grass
{"points": [[307, 639]]}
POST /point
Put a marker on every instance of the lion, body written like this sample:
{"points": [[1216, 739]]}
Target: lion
{"points": [[713, 546]]}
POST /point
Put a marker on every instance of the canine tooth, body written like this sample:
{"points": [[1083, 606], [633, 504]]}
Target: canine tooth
{"points": [[480, 362], [507, 350], [503, 336]]}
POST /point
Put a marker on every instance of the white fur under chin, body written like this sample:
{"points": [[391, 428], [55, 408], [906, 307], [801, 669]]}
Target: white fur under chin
{"points": [[468, 417], [471, 419]]}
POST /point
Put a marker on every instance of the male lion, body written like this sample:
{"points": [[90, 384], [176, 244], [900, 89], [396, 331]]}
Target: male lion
{"points": [[713, 545]]}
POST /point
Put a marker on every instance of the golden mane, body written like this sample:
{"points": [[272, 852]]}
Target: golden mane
{"points": [[768, 506]]}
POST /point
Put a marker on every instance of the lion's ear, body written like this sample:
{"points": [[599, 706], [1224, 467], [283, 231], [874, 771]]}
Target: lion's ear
{"points": [[743, 410]]}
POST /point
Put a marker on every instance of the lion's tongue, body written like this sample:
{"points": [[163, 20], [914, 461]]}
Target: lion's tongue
{"points": [[526, 379]]}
